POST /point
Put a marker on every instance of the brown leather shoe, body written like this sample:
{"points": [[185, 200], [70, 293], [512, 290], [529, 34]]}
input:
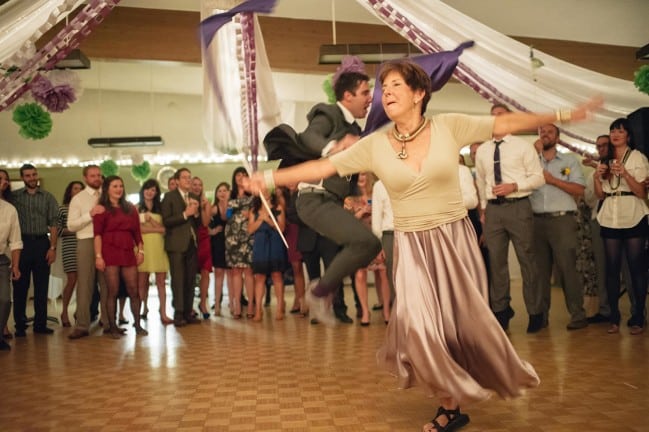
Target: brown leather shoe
{"points": [[78, 334], [179, 322]]}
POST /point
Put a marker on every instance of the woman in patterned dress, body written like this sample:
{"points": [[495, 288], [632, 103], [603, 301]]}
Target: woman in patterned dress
{"points": [[69, 248], [238, 245]]}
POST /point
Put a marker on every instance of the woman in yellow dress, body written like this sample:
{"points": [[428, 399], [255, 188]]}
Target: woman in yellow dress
{"points": [[155, 260]]}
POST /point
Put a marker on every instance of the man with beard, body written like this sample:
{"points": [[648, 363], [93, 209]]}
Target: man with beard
{"points": [[83, 207], [555, 229], [38, 214]]}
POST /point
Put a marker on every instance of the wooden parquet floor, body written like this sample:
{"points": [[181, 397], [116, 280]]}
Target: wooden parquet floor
{"points": [[229, 375]]}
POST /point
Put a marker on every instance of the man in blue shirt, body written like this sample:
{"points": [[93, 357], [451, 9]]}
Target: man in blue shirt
{"points": [[555, 229]]}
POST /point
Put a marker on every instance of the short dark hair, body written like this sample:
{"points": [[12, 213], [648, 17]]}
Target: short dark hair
{"points": [[607, 136], [413, 74], [180, 171], [348, 82], [625, 124], [26, 167]]}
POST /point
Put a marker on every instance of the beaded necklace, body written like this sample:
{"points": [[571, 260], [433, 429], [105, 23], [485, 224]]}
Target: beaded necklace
{"points": [[627, 152]]}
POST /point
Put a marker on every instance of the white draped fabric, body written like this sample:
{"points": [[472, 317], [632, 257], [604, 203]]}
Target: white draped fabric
{"points": [[499, 68], [23, 22], [225, 122]]}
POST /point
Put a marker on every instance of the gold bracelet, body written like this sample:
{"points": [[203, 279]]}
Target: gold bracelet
{"points": [[563, 115], [269, 180]]}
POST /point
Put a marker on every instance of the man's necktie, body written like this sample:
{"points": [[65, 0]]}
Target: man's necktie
{"points": [[191, 227], [356, 129], [498, 176]]}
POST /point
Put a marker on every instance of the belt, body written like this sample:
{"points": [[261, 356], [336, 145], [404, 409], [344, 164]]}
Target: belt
{"points": [[503, 200], [318, 191], [34, 236], [554, 214], [619, 193], [388, 232]]}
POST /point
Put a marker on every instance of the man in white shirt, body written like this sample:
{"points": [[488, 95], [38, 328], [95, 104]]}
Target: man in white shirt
{"points": [[83, 207], [10, 245], [507, 171]]}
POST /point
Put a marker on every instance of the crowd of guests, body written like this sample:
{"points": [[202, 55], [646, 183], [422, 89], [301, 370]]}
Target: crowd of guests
{"points": [[580, 231], [530, 195], [111, 248]]}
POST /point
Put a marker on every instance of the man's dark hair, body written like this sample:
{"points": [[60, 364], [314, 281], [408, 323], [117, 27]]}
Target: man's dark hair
{"points": [[180, 171], [348, 81], [26, 167]]}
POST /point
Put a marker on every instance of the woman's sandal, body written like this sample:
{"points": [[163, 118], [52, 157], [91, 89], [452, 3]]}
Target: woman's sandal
{"points": [[455, 418]]}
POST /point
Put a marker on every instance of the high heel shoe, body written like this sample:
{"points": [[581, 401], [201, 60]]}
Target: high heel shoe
{"points": [[206, 315]]}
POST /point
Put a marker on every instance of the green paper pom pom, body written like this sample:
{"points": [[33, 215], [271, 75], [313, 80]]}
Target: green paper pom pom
{"points": [[641, 79], [141, 172], [328, 88], [35, 123], [109, 168]]}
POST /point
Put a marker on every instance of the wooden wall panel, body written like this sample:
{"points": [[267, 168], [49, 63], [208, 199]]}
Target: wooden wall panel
{"points": [[292, 45]]}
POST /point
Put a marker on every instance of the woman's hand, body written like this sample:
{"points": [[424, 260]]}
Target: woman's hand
{"points": [[583, 111], [602, 170], [100, 264]]}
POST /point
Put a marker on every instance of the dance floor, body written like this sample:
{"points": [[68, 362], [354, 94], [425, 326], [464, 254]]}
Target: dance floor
{"points": [[238, 375]]}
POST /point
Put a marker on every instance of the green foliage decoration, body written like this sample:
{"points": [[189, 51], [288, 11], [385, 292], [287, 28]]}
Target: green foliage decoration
{"points": [[641, 79], [35, 123], [141, 172], [109, 168]]}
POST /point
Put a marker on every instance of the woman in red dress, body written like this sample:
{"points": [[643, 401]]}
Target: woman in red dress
{"points": [[118, 249], [204, 245]]}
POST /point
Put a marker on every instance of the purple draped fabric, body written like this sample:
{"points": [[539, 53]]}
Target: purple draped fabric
{"points": [[439, 66], [209, 26]]}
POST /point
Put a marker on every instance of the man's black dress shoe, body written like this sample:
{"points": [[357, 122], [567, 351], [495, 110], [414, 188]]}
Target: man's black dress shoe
{"points": [[4, 346], [20, 333], [598, 318], [43, 330], [536, 323], [344, 318], [504, 316]]}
